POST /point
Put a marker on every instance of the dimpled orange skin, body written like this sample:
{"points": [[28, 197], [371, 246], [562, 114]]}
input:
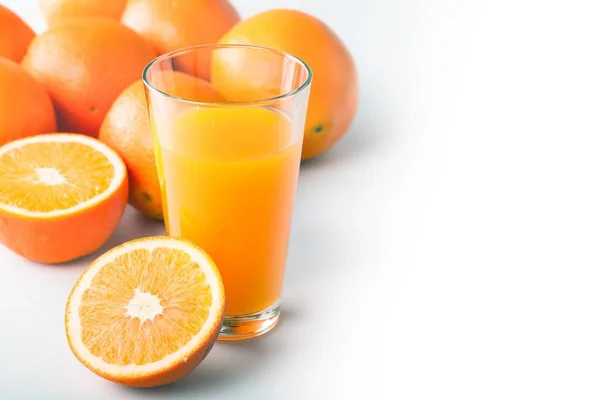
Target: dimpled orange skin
{"points": [[126, 129], [85, 64], [15, 35], [334, 91], [25, 107], [58, 11], [56, 240], [174, 24]]}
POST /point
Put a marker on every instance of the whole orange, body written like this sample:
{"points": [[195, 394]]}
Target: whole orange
{"points": [[170, 25], [58, 11], [26, 108], [85, 64], [334, 92], [15, 35], [126, 129]]}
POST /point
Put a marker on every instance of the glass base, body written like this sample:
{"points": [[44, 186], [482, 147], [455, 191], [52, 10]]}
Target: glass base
{"points": [[251, 325]]}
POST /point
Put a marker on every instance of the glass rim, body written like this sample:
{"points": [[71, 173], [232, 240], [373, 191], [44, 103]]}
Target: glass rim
{"points": [[184, 50]]}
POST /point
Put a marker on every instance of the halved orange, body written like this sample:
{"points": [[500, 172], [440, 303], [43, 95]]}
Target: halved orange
{"points": [[61, 196], [146, 313]]}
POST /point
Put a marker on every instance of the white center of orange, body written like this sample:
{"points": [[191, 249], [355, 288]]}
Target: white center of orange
{"points": [[144, 306], [50, 176]]}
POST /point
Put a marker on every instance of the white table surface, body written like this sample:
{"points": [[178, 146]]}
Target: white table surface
{"points": [[446, 248]]}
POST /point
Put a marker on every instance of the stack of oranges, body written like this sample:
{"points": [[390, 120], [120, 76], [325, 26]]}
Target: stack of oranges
{"points": [[75, 147], [82, 76]]}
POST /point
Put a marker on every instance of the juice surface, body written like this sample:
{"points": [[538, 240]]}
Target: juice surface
{"points": [[228, 180]]}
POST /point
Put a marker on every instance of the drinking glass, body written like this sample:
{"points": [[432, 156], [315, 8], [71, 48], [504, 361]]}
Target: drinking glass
{"points": [[228, 123]]}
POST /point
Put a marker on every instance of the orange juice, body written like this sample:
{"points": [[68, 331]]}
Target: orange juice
{"points": [[228, 181]]}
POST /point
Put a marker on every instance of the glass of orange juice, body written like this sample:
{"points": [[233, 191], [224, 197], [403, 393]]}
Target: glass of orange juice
{"points": [[227, 123]]}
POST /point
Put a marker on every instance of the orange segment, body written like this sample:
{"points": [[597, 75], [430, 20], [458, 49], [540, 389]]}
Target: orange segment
{"points": [[164, 311], [61, 196], [147, 312], [41, 176]]}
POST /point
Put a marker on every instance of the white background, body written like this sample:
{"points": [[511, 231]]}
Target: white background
{"points": [[447, 247]]}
